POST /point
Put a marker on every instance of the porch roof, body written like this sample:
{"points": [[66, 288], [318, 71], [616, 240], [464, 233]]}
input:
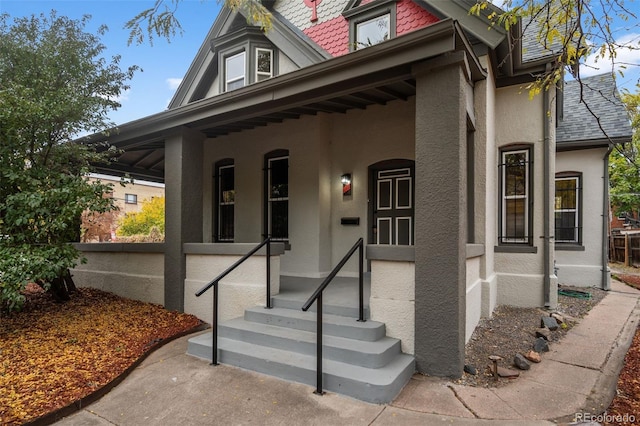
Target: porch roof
{"points": [[376, 75]]}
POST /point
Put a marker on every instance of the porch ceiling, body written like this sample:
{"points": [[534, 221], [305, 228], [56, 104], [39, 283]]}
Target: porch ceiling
{"points": [[376, 75]]}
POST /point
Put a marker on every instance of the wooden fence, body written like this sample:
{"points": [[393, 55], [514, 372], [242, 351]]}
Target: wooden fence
{"points": [[625, 249]]}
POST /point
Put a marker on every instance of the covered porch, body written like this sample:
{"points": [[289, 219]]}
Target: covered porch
{"points": [[409, 99]]}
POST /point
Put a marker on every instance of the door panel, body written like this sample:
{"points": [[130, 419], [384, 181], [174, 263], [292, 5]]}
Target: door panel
{"points": [[393, 214]]}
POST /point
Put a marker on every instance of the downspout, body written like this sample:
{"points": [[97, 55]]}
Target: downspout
{"points": [[546, 217], [605, 223]]}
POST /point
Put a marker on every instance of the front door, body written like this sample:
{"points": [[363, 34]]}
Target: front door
{"points": [[393, 206]]}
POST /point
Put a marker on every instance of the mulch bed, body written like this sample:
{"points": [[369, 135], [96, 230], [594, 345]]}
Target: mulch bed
{"points": [[53, 355]]}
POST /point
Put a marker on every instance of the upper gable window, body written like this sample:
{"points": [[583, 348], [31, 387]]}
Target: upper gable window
{"points": [[235, 71], [244, 57], [373, 31], [370, 23], [264, 64]]}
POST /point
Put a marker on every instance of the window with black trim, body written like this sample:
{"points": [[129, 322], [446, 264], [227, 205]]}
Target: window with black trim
{"points": [[225, 196], [370, 23], [515, 196], [277, 195], [567, 208]]}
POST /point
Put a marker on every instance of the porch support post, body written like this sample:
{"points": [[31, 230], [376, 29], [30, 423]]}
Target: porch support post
{"points": [[440, 215], [183, 209]]}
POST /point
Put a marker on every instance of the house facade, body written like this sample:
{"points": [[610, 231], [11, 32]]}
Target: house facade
{"points": [[401, 122]]}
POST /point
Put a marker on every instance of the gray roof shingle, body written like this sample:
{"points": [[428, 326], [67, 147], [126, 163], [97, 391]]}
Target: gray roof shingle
{"points": [[601, 95]]}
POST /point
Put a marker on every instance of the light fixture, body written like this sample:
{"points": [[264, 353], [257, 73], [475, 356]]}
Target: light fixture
{"points": [[346, 184]]}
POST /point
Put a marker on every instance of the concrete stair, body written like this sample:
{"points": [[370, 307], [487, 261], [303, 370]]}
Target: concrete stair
{"points": [[359, 360]]}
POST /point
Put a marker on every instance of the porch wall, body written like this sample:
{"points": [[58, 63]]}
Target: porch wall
{"points": [[581, 265], [135, 271], [241, 289], [321, 149]]}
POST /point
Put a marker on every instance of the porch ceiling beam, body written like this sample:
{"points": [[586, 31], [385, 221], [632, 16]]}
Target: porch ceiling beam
{"points": [[384, 63], [144, 157], [391, 92], [326, 107], [371, 98], [158, 161], [137, 173], [349, 103]]}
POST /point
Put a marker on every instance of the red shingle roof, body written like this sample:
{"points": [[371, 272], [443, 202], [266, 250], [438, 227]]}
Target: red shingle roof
{"points": [[411, 17], [333, 35]]}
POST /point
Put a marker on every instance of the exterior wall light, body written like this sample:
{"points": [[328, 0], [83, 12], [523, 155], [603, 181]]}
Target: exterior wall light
{"points": [[346, 184]]}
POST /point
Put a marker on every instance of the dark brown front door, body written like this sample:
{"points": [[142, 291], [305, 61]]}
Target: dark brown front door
{"points": [[393, 206]]}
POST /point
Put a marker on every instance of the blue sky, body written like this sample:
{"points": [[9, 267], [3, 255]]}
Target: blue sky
{"points": [[164, 64]]}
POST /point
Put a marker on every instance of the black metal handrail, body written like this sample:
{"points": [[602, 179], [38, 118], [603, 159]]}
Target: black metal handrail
{"points": [[214, 283], [317, 296]]}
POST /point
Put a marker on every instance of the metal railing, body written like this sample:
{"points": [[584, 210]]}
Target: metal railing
{"points": [[317, 296], [214, 283]]}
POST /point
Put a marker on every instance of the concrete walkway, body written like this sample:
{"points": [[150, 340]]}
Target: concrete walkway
{"points": [[579, 375]]}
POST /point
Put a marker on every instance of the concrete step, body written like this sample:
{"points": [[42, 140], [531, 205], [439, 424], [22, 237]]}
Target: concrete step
{"points": [[290, 302], [333, 325], [372, 354], [377, 385]]}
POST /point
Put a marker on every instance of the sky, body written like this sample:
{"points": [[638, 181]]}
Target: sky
{"points": [[164, 64]]}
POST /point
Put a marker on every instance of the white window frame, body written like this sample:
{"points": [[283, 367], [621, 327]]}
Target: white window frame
{"points": [[227, 80], [359, 45], [505, 197], [576, 211], [258, 73], [130, 198]]}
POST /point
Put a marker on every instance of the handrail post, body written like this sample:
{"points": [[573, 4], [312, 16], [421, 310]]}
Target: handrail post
{"points": [[268, 306], [318, 390], [361, 281], [214, 327]]}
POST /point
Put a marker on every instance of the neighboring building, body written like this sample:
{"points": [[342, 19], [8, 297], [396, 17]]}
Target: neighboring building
{"points": [[128, 198], [402, 122]]}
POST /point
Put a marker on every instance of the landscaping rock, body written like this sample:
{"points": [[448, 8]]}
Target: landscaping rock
{"points": [[544, 333], [549, 322], [559, 318], [470, 369], [533, 356], [520, 362], [541, 345], [507, 373]]}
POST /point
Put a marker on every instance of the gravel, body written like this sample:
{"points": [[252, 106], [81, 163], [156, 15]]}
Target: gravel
{"points": [[512, 330]]}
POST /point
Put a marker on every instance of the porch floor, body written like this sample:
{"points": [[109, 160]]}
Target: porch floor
{"points": [[342, 291]]}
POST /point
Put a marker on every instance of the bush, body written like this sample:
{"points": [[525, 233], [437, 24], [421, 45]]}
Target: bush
{"points": [[142, 222]]}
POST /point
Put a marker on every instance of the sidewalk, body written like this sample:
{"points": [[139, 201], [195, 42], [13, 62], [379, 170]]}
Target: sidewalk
{"points": [[578, 375]]}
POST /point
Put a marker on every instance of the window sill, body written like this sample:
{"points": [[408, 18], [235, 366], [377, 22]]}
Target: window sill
{"points": [[515, 249], [569, 247]]}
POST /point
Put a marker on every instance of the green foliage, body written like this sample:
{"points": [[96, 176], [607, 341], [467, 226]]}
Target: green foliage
{"points": [[55, 84], [160, 20], [624, 166], [146, 220]]}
